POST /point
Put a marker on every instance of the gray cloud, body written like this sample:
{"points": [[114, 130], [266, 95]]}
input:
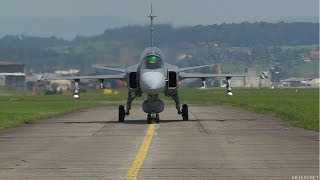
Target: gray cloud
{"points": [[68, 18], [174, 11]]}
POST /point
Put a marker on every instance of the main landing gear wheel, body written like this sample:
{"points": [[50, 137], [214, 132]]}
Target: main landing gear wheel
{"points": [[157, 118], [149, 119], [185, 112], [122, 113]]}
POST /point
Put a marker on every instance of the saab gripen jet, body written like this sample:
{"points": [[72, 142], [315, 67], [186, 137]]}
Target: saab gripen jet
{"points": [[153, 76]]}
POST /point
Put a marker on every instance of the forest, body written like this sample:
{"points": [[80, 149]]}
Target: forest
{"points": [[259, 45]]}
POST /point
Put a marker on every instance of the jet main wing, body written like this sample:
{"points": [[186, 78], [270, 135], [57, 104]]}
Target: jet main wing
{"points": [[183, 75], [194, 67], [121, 76], [110, 68]]}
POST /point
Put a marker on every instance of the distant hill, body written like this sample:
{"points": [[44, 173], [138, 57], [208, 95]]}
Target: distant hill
{"points": [[70, 27], [301, 19], [257, 45], [242, 34]]}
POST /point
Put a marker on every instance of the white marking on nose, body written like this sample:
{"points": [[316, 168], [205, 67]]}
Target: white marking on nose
{"points": [[152, 82]]}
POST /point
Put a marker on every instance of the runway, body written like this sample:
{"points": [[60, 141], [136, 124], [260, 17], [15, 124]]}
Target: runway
{"points": [[218, 142]]}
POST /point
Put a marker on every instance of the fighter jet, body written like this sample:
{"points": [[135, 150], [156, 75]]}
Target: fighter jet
{"points": [[153, 76]]}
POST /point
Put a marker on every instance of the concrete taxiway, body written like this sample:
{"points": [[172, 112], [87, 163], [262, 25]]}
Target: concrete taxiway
{"points": [[217, 143]]}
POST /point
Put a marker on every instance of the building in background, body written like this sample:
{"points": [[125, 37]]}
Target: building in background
{"points": [[12, 75], [300, 82], [250, 80]]}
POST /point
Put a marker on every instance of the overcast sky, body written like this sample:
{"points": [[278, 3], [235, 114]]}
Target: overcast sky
{"points": [[68, 18], [178, 12]]}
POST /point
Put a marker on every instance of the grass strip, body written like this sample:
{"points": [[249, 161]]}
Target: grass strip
{"points": [[300, 107]]}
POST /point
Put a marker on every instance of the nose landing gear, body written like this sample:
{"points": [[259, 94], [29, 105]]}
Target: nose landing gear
{"points": [[153, 118]]}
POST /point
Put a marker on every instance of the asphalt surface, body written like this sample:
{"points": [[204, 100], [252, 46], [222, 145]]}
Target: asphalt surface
{"points": [[217, 143]]}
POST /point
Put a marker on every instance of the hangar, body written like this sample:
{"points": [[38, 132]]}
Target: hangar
{"points": [[12, 75]]}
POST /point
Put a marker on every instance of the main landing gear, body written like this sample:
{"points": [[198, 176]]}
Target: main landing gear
{"points": [[154, 117]]}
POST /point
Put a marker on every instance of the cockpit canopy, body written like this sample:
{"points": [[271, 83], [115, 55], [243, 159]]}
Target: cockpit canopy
{"points": [[152, 58]]}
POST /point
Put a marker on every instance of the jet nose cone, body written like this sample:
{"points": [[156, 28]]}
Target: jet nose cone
{"points": [[152, 82]]}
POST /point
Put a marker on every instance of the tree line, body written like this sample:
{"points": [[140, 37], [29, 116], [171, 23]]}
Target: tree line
{"points": [[258, 43], [243, 34]]}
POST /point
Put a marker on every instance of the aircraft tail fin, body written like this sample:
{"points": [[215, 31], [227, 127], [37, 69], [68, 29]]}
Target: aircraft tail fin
{"points": [[151, 16]]}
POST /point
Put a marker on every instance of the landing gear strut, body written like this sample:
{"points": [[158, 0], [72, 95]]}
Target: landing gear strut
{"points": [[175, 97], [131, 96], [184, 111]]}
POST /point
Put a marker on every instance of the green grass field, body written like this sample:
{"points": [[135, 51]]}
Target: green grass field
{"points": [[17, 108], [300, 108]]}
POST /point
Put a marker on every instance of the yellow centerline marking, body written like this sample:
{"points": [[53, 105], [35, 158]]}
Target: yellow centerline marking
{"points": [[132, 174]]}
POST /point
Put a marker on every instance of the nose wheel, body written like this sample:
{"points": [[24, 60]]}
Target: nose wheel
{"points": [[185, 112], [153, 118]]}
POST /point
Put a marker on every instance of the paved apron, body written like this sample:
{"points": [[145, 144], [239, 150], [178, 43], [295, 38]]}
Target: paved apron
{"points": [[217, 143]]}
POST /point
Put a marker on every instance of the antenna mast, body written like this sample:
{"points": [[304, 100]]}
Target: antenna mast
{"points": [[151, 16]]}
